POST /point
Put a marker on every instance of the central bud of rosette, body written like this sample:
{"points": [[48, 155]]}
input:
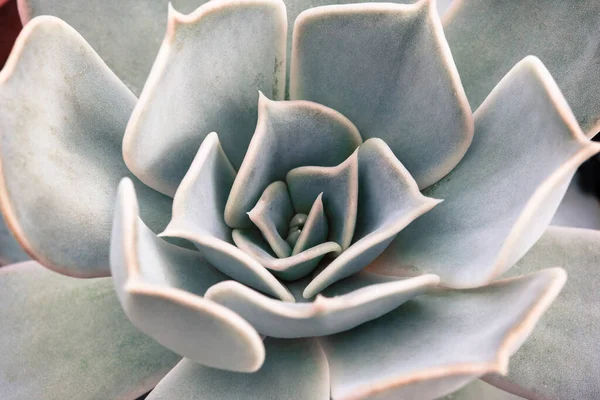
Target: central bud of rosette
{"points": [[310, 205]]}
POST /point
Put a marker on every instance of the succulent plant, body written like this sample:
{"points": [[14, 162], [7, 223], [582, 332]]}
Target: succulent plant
{"points": [[301, 211]]}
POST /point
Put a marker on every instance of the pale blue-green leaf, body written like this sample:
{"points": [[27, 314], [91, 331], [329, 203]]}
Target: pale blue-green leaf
{"points": [[272, 215], [10, 251], [578, 208], [198, 209], [295, 7], [293, 369], [488, 37], [126, 34], [339, 186], [316, 228], [503, 194], [206, 77], [289, 268], [66, 338], [480, 390], [160, 287], [349, 303], [388, 68], [561, 358], [288, 135], [63, 117], [388, 200], [436, 343]]}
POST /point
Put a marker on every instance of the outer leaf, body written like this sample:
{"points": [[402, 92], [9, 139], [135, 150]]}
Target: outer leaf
{"points": [[160, 287], [64, 338], [387, 68], [561, 358], [288, 135], [126, 34], [198, 209], [488, 37], [61, 129], [436, 343], [206, 78], [295, 7], [352, 302], [502, 196], [480, 390], [294, 369]]}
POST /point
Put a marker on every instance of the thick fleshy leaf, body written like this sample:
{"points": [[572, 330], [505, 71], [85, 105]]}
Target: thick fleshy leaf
{"points": [[60, 148], [65, 338], [288, 135], [126, 34], [436, 343], [388, 68], [480, 390], [561, 358], [198, 209], [388, 200], [160, 287], [295, 7], [293, 369], [10, 251], [352, 302], [316, 228], [488, 37], [578, 208], [206, 78], [288, 268], [503, 194], [339, 186], [272, 215]]}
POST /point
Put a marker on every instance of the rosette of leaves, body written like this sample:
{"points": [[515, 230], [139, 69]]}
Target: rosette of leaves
{"points": [[308, 211]]}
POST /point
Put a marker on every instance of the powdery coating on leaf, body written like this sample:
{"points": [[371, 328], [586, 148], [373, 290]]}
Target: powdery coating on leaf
{"points": [[221, 339], [60, 160], [206, 78], [568, 337], [65, 338], [502, 196], [488, 37], [293, 369], [388, 68], [126, 34], [450, 337], [480, 390]]}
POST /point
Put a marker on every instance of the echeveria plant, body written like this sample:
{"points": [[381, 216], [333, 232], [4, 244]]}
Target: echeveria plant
{"points": [[308, 211]]}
